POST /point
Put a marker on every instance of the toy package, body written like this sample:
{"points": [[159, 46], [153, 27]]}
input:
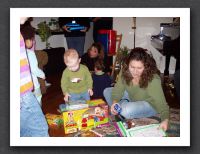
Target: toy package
{"points": [[73, 105], [86, 118], [95, 102], [54, 119], [100, 109], [74, 120]]}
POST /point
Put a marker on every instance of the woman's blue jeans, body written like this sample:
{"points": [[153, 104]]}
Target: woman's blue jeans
{"points": [[130, 110], [76, 43], [32, 120]]}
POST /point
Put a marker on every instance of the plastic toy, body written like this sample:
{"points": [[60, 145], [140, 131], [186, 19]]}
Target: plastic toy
{"points": [[86, 118], [74, 26]]}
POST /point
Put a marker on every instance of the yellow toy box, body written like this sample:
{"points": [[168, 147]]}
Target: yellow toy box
{"points": [[100, 109], [85, 119]]}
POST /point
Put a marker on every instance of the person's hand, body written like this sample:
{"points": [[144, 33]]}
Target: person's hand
{"points": [[66, 28], [84, 30], [66, 98], [29, 43], [164, 125], [90, 91], [112, 109]]}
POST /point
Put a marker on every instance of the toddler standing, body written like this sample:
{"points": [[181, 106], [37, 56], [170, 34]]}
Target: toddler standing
{"points": [[76, 81]]}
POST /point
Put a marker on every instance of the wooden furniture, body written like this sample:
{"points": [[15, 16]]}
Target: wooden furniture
{"points": [[55, 61], [118, 41], [42, 58]]}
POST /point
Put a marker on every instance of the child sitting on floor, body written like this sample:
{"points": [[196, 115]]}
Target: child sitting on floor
{"points": [[76, 81], [101, 80]]}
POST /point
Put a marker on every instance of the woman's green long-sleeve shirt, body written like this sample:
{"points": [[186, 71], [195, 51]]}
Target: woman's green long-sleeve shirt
{"points": [[152, 94]]}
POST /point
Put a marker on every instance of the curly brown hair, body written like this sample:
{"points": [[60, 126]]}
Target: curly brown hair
{"points": [[150, 68]]}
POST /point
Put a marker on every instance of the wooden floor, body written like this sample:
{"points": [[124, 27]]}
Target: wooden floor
{"points": [[54, 97]]}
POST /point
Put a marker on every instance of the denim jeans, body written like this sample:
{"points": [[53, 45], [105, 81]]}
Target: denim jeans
{"points": [[76, 43], [38, 95], [131, 109], [81, 96], [32, 120]]}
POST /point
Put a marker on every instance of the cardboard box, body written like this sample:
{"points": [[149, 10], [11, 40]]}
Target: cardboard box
{"points": [[86, 119], [96, 102], [100, 109]]}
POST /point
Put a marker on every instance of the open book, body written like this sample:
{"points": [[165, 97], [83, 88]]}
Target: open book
{"points": [[151, 130]]}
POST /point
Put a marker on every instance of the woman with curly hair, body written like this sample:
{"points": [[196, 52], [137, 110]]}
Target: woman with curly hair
{"points": [[94, 53], [138, 90]]}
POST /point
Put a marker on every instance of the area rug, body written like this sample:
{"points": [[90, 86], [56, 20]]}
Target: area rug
{"points": [[111, 131]]}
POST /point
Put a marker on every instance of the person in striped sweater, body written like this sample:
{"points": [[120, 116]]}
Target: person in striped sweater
{"points": [[28, 33], [32, 120]]}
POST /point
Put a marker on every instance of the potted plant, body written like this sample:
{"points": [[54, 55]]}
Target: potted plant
{"points": [[53, 24], [121, 55], [44, 32]]}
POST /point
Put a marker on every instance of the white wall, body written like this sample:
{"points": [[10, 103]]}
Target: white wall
{"points": [[145, 27], [58, 40]]}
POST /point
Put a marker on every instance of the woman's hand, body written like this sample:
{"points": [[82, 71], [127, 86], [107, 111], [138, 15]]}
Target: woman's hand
{"points": [[164, 124], [113, 111]]}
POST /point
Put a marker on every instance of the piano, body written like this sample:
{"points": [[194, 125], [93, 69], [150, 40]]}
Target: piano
{"points": [[167, 42]]}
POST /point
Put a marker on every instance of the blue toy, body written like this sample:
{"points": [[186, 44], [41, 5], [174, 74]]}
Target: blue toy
{"points": [[74, 26], [119, 110]]}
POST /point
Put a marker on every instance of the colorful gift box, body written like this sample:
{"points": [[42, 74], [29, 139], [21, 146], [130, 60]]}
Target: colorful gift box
{"points": [[100, 109], [87, 118]]}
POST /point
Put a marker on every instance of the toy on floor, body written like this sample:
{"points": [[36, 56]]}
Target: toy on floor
{"points": [[90, 115], [73, 105], [53, 119]]}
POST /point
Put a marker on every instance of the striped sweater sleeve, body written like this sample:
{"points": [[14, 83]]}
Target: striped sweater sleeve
{"points": [[26, 83]]}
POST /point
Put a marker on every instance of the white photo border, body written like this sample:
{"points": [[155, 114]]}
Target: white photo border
{"points": [[183, 13]]}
